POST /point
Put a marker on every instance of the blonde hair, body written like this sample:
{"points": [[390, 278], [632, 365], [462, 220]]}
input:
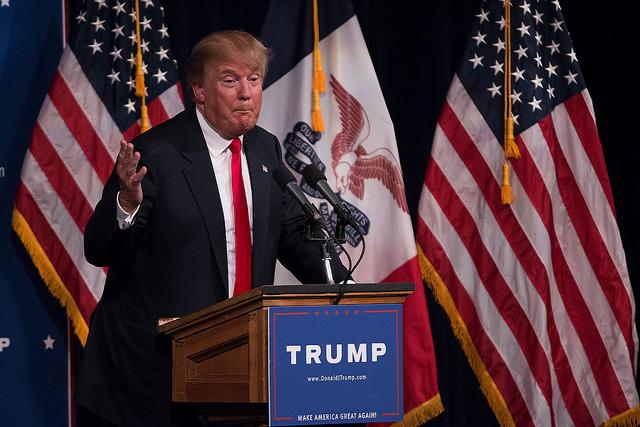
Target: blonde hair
{"points": [[221, 46]]}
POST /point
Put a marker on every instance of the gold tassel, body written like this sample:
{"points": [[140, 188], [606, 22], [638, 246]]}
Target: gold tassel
{"points": [[505, 190], [510, 148], [319, 80], [316, 115], [139, 75], [145, 125], [144, 118]]}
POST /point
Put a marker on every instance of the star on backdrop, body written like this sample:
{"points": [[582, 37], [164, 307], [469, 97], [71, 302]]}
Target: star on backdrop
{"points": [[48, 343]]}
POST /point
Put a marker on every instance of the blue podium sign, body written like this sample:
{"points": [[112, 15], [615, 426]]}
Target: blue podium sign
{"points": [[336, 364]]}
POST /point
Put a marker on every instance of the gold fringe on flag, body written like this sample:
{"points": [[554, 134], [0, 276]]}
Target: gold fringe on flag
{"points": [[511, 150], [442, 295], [319, 82], [140, 89], [49, 275], [629, 418], [422, 413]]}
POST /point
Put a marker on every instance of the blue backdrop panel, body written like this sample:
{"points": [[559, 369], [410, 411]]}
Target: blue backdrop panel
{"points": [[33, 330]]}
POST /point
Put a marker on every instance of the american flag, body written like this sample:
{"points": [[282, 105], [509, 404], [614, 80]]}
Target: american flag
{"points": [[537, 291], [90, 107]]}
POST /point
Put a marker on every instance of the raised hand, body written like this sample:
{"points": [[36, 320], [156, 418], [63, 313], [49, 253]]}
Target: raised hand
{"points": [[129, 177]]}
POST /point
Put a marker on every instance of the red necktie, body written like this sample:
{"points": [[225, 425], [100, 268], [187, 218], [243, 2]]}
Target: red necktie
{"points": [[241, 220]]}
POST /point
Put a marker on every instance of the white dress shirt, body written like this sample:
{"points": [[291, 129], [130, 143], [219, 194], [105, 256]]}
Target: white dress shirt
{"points": [[220, 155]]}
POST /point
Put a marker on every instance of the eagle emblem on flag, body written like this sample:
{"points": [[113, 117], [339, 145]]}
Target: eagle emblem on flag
{"points": [[351, 162]]}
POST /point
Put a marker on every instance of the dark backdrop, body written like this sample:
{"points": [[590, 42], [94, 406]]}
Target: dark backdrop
{"points": [[416, 47]]}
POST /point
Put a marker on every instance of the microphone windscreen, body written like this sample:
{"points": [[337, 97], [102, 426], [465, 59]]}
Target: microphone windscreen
{"points": [[312, 175], [283, 176]]}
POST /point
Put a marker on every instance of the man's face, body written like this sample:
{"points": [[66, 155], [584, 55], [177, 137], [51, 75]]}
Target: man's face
{"points": [[230, 97]]}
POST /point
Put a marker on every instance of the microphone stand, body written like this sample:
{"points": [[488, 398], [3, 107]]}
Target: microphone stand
{"points": [[326, 258], [323, 241], [339, 237], [340, 226]]}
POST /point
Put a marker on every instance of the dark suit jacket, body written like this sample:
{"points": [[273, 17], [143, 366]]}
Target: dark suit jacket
{"points": [[173, 261]]}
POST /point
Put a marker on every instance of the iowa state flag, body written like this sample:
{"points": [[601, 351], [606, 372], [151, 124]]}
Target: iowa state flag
{"points": [[358, 154]]}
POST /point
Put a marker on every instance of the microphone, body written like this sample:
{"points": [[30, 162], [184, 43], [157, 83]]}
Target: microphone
{"points": [[318, 181], [287, 182]]}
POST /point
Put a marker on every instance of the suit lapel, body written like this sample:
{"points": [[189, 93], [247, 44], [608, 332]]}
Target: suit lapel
{"points": [[261, 196], [202, 182]]}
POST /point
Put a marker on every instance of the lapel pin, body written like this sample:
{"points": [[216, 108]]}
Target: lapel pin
{"points": [[264, 169]]}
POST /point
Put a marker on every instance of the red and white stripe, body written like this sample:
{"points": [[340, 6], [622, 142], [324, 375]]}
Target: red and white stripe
{"points": [[72, 152], [542, 284]]}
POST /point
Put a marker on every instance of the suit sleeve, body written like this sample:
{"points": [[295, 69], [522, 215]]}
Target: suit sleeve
{"points": [[104, 242]]}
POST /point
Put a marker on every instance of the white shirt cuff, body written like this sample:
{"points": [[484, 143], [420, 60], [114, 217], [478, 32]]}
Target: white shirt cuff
{"points": [[124, 218]]}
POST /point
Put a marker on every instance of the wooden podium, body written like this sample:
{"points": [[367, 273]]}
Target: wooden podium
{"points": [[220, 353]]}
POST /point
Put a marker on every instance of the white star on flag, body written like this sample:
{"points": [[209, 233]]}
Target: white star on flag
{"points": [[130, 106], [497, 67], [117, 31], [119, 7], [535, 104], [98, 24], [521, 52], [554, 47], [515, 96], [162, 54], [146, 24], [163, 31], [524, 29], [160, 75], [116, 54], [479, 38], [484, 16], [537, 82], [95, 47], [556, 25], [476, 60], [571, 77], [518, 74], [495, 90], [114, 76]]}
